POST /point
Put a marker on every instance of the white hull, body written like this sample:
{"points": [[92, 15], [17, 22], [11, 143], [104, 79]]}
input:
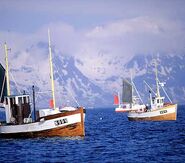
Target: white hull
{"points": [[42, 125], [164, 113], [62, 124], [119, 109], [128, 109]]}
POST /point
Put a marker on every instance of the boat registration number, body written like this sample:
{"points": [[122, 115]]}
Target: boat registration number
{"points": [[163, 111], [60, 121]]}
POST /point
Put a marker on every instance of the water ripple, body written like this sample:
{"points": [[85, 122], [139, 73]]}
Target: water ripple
{"points": [[110, 137]]}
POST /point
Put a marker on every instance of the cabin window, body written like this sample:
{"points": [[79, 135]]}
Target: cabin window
{"points": [[24, 100], [14, 100], [157, 100], [11, 102], [6, 101], [20, 100]]}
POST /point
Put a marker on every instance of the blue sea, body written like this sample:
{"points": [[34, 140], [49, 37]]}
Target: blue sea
{"points": [[110, 137]]}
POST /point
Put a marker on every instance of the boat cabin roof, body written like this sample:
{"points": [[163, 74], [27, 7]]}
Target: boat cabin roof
{"points": [[157, 98], [13, 96], [17, 99]]}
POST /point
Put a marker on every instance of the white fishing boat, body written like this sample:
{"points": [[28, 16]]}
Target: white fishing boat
{"points": [[129, 102], [157, 110], [46, 122]]}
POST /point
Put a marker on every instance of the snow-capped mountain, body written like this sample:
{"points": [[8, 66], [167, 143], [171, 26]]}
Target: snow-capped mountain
{"points": [[75, 83], [72, 87], [171, 70]]}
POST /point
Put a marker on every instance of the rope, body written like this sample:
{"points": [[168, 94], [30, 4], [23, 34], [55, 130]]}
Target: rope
{"points": [[137, 92], [66, 88], [165, 92], [149, 87], [2, 87], [15, 83]]}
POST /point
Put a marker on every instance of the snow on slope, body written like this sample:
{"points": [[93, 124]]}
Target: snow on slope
{"points": [[72, 87], [92, 81]]}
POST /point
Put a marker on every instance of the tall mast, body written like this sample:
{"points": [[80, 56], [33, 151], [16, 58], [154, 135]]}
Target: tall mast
{"points": [[7, 69], [51, 70], [157, 81], [132, 86]]}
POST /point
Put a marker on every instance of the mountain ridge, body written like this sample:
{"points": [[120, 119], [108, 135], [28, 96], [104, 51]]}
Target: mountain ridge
{"points": [[74, 87]]}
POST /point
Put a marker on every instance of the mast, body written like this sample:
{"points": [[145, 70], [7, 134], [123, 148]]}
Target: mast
{"points": [[7, 69], [51, 70], [34, 110], [132, 100], [119, 103], [157, 81]]}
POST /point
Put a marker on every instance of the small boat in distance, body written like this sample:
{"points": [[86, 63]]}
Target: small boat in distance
{"points": [[47, 122], [158, 110], [130, 102]]}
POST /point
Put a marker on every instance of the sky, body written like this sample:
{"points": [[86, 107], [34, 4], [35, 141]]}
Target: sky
{"points": [[94, 30]]}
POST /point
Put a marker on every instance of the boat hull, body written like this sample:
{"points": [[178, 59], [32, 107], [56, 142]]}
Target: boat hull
{"points": [[121, 110], [166, 113], [128, 108], [63, 124]]}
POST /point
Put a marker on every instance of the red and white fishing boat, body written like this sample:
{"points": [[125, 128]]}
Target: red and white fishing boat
{"points": [[158, 110], [129, 101], [68, 121]]}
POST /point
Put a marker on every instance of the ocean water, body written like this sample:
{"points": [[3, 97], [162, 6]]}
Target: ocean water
{"points": [[110, 137]]}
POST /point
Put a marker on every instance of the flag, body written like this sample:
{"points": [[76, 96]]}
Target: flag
{"points": [[51, 103], [116, 100]]}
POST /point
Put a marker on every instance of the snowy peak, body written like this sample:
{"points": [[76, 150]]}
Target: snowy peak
{"points": [[71, 85], [92, 83], [170, 71]]}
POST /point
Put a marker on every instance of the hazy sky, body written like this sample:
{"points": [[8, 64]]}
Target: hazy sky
{"points": [[90, 27], [29, 15], [96, 32]]}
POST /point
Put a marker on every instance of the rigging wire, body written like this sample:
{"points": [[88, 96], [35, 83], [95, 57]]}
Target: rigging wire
{"points": [[66, 88], [2, 87], [161, 85], [16, 85], [149, 87], [137, 92]]}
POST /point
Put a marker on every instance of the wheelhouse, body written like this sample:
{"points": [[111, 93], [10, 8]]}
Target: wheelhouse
{"points": [[17, 109], [157, 102]]}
